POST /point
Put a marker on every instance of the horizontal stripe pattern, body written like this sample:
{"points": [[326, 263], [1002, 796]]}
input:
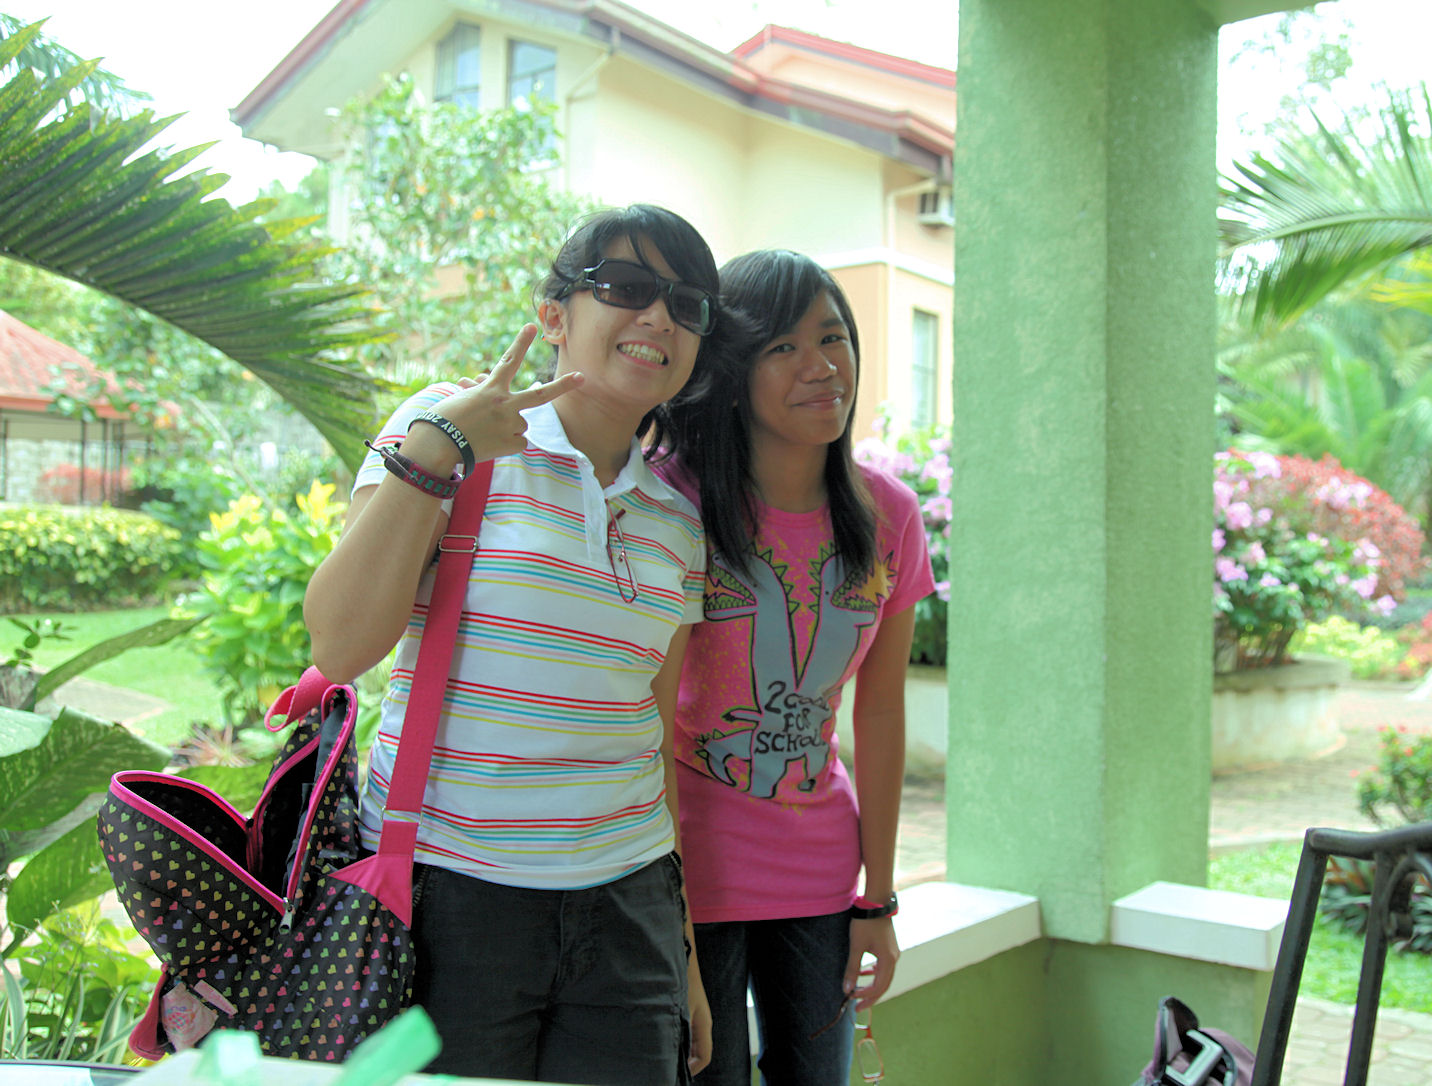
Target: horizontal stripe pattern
{"points": [[547, 770]]}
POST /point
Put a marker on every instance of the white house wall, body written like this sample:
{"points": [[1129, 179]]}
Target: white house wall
{"points": [[809, 193], [633, 131], [645, 138]]}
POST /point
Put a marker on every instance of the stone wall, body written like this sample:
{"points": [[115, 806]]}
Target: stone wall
{"points": [[48, 471]]}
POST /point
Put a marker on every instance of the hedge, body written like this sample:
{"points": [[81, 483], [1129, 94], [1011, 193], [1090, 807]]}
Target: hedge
{"points": [[61, 558]]}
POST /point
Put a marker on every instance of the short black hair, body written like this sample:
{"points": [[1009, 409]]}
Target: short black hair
{"points": [[676, 239], [680, 244]]}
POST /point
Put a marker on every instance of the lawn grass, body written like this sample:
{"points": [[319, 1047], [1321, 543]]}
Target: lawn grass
{"points": [[1334, 955], [173, 672]]}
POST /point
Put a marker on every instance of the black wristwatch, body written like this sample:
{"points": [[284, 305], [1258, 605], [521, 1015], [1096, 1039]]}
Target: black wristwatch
{"points": [[864, 909]]}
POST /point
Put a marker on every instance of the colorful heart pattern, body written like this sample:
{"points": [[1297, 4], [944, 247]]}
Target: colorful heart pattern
{"points": [[344, 966]]}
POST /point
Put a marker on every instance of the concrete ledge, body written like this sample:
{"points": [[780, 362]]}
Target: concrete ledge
{"points": [[1274, 714], [1194, 922], [944, 927]]}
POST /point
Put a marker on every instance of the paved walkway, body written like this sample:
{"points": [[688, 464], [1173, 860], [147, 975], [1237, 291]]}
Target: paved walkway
{"points": [[1255, 807], [130, 707]]}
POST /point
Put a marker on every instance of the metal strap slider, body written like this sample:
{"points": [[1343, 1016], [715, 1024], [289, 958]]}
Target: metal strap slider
{"points": [[458, 543]]}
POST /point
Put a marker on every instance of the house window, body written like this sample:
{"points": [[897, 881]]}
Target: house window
{"points": [[459, 66], [924, 367], [531, 73]]}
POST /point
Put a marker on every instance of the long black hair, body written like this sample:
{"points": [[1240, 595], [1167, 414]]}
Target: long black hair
{"points": [[644, 226], [707, 427]]}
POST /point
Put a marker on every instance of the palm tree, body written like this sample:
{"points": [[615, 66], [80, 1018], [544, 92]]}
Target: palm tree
{"points": [[1330, 207], [80, 197]]}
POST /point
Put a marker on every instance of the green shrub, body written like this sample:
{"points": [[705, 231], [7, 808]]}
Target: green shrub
{"points": [[60, 559], [257, 561], [185, 495], [1369, 651], [1347, 904], [1416, 641], [77, 993], [1401, 780]]}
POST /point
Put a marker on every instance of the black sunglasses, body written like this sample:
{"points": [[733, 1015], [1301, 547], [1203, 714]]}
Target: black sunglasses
{"points": [[628, 285]]}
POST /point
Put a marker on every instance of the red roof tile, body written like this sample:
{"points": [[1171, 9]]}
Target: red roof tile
{"points": [[25, 378]]}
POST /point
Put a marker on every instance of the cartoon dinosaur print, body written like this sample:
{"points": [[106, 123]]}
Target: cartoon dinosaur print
{"points": [[784, 724]]}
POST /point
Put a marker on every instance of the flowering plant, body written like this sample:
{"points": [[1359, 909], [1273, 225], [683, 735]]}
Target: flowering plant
{"points": [[1277, 562], [1402, 779], [1348, 506], [921, 459]]}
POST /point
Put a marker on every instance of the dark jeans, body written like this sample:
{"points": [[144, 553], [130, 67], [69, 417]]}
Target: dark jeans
{"points": [[795, 969], [579, 986]]}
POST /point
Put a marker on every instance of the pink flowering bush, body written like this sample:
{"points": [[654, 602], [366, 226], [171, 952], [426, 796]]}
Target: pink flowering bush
{"points": [[1352, 508], [921, 459], [1276, 566]]}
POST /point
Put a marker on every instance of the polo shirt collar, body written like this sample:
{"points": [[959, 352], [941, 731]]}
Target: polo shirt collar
{"points": [[545, 430]]}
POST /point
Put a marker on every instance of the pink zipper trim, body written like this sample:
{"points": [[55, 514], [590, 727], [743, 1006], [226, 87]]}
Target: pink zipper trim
{"points": [[119, 787]]}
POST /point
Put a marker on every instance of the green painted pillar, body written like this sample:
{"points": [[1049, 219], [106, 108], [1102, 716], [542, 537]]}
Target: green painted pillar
{"points": [[1080, 623]]}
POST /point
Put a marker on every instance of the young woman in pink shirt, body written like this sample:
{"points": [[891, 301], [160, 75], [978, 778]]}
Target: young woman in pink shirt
{"points": [[815, 566]]}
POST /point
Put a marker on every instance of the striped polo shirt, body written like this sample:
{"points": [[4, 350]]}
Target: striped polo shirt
{"points": [[547, 771]]}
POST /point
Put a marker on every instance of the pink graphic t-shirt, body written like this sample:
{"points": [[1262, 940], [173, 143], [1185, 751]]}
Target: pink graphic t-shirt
{"points": [[769, 821]]}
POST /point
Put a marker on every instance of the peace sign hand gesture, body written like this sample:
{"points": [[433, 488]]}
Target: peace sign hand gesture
{"points": [[488, 412]]}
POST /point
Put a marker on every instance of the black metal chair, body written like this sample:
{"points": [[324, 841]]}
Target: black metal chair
{"points": [[1400, 857]]}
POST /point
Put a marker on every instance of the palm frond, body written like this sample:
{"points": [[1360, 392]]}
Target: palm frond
{"points": [[1408, 468], [47, 57], [1327, 207], [81, 197], [1275, 413]]}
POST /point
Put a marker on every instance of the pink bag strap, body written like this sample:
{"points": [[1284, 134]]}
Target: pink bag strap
{"points": [[309, 693], [456, 550]]}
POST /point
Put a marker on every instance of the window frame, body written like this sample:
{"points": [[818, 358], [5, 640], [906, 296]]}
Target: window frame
{"points": [[924, 367], [550, 94], [464, 40]]}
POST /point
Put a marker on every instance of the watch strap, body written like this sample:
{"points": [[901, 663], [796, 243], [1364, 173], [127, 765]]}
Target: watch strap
{"points": [[865, 909]]}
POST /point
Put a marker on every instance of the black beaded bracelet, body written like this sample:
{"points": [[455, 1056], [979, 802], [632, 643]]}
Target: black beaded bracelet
{"points": [[414, 475], [458, 438]]}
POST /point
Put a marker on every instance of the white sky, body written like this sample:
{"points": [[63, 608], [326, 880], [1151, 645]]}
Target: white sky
{"points": [[1390, 42], [201, 58]]}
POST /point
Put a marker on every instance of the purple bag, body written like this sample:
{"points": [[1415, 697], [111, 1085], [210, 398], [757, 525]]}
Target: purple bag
{"points": [[1186, 1055]]}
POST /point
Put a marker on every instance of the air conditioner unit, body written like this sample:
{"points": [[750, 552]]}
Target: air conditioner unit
{"points": [[937, 208]]}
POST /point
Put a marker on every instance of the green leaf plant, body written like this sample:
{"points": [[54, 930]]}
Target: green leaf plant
{"points": [[257, 561], [75, 991], [84, 195], [53, 776]]}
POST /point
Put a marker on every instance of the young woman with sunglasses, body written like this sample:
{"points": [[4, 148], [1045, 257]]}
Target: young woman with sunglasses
{"points": [[548, 909], [814, 570]]}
